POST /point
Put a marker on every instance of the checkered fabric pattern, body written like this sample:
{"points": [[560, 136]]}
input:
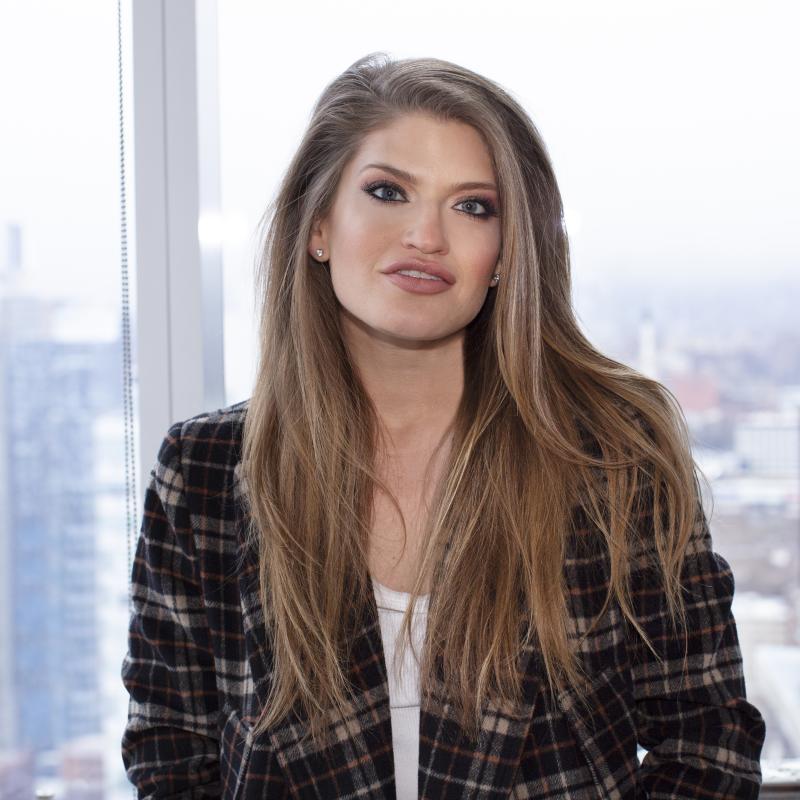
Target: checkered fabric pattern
{"points": [[198, 668]]}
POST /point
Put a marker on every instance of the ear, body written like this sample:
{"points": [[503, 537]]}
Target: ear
{"points": [[318, 240]]}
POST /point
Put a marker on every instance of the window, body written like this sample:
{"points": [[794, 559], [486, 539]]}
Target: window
{"points": [[63, 570], [675, 152]]}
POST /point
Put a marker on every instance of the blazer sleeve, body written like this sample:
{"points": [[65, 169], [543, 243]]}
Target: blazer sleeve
{"points": [[703, 737], [170, 745]]}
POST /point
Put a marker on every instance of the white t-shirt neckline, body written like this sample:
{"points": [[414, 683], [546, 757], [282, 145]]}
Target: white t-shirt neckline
{"points": [[395, 600], [404, 696]]}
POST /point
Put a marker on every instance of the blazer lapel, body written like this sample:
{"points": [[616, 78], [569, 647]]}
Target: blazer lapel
{"points": [[361, 761], [452, 765]]}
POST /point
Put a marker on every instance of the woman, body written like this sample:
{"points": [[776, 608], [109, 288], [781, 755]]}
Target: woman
{"points": [[431, 438]]}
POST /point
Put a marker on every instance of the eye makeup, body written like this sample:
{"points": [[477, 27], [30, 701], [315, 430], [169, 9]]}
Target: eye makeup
{"points": [[486, 202]]}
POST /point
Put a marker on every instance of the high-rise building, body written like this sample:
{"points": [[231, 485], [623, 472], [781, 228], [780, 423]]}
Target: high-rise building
{"points": [[51, 393]]}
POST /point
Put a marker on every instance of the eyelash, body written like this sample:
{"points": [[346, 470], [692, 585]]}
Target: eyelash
{"points": [[491, 209]]}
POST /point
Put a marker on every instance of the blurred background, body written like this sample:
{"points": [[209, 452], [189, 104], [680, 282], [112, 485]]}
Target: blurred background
{"points": [[141, 143]]}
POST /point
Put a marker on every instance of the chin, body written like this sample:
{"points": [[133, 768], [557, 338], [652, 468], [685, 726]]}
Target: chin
{"points": [[391, 325], [416, 335]]}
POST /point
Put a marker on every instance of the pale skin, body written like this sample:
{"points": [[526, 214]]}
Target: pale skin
{"points": [[408, 347]]}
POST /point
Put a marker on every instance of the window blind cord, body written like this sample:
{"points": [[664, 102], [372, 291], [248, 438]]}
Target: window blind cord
{"points": [[131, 496], [131, 501]]}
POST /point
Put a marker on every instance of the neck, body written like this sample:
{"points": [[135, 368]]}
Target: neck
{"points": [[415, 386]]}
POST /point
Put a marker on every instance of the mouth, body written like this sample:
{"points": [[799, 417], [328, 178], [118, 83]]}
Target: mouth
{"points": [[417, 283], [415, 273], [421, 270]]}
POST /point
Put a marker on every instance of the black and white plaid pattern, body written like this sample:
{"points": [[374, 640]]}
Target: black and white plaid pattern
{"points": [[199, 664]]}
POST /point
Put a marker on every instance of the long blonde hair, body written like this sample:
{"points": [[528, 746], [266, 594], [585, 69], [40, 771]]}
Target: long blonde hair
{"points": [[535, 392]]}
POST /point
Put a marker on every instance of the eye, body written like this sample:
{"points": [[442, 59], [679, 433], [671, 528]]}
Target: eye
{"points": [[489, 206], [388, 185], [392, 189]]}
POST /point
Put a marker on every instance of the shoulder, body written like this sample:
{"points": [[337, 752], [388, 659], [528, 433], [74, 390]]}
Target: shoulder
{"points": [[196, 470], [204, 448], [613, 425], [211, 434]]}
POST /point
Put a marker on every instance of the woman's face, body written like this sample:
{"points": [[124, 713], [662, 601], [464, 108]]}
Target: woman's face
{"points": [[379, 218]]}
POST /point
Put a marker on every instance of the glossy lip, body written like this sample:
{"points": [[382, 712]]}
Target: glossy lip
{"points": [[431, 267], [418, 285]]}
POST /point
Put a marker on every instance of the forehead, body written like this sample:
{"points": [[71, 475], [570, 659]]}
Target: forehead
{"points": [[424, 145]]}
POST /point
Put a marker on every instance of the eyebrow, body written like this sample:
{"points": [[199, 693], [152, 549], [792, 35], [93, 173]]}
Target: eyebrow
{"points": [[409, 178]]}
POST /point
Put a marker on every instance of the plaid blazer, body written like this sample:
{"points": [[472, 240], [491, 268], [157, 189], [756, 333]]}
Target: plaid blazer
{"points": [[198, 666]]}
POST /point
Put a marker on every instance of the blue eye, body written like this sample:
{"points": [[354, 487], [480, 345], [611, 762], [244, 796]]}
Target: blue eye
{"points": [[490, 209], [382, 185]]}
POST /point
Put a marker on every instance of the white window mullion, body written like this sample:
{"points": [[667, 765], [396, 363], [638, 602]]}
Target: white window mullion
{"points": [[179, 282]]}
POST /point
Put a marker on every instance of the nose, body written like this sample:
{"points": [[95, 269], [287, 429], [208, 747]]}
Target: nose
{"points": [[426, 232]]}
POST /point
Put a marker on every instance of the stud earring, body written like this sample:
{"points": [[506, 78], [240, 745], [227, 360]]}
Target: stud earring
{"points": [[319, 253], [496, 276]]}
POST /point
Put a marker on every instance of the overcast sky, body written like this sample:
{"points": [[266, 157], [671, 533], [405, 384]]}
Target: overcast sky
{"points": [[673, 125]]}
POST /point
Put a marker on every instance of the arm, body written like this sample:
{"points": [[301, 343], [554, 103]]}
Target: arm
{"points": [[170, 743], [704, 738]]}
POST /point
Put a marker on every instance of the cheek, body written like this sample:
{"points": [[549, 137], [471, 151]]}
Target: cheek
{"points": [[357, 216], [361, 240], [483, 256]]}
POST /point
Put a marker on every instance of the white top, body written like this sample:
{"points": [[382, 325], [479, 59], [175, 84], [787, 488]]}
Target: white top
{"points": [[403, 684]]}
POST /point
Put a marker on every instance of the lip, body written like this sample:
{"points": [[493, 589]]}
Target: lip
{"points": [[431, 267], [418, 285]]}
